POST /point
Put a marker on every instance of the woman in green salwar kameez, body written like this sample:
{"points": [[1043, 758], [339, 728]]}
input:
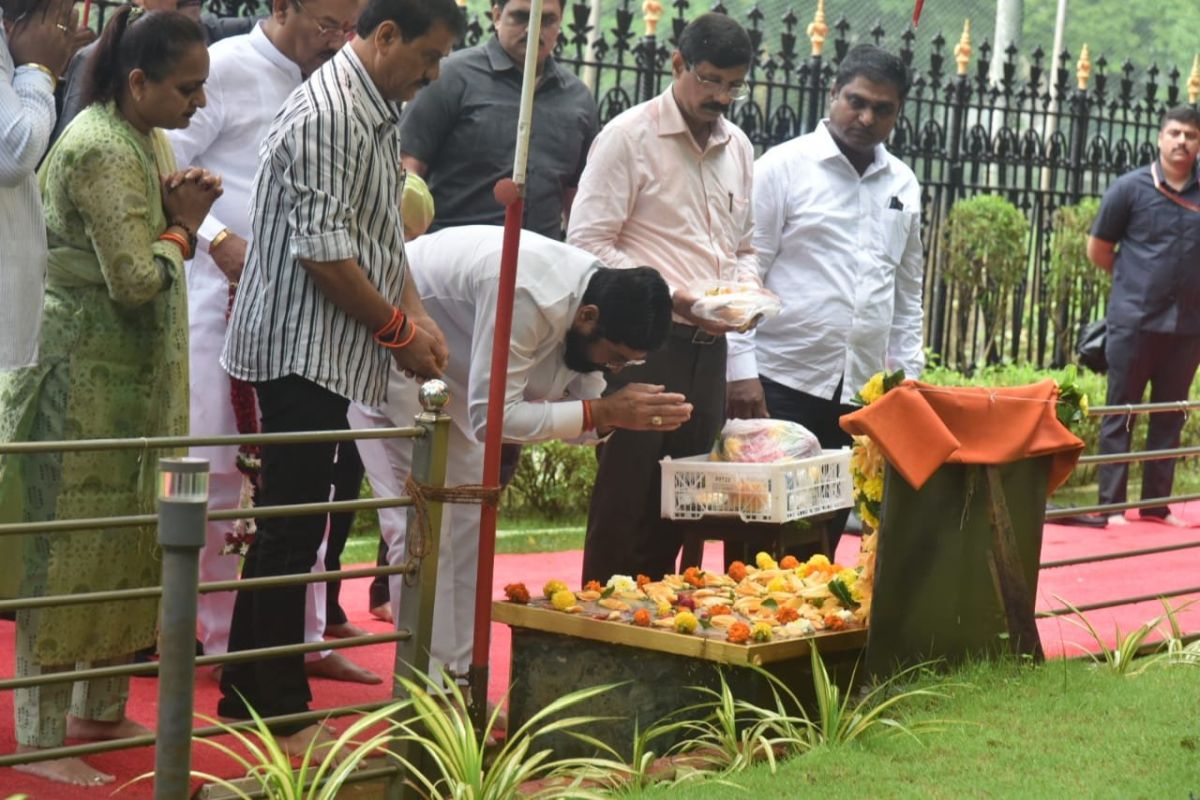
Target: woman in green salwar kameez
{"points": [[113, 364]]}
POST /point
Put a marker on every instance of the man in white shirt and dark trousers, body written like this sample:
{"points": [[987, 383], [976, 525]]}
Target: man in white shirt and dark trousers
{"points": [[325, 306], [837, 230], [250, 76], [573, 320]]}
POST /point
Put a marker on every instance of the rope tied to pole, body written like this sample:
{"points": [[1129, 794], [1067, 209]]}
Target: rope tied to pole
{"points": [[420, 545]]}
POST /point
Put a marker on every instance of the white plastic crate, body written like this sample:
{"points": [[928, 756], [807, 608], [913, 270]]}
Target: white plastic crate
{"points": [[780, 491]]}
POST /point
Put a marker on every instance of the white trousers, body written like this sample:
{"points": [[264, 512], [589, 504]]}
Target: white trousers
{"points": [[214, 610], [387, 463]]}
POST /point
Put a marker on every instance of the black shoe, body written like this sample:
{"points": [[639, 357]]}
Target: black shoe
{"points": [[1079, 520]]}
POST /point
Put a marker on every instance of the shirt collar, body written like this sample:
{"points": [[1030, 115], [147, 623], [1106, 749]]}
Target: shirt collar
{"points": [[267, 49], [377, 111], [827, 148], [672, 123], [501, 61]]}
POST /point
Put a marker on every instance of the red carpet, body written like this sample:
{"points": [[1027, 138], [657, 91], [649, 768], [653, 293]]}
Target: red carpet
{"points": [[1079, 585]]}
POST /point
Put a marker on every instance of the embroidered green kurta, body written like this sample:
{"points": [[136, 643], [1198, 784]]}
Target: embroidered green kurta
{"points": [[113, 364]]}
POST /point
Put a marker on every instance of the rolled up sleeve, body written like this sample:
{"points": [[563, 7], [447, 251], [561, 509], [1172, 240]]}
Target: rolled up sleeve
{"points": [[315, 180]]}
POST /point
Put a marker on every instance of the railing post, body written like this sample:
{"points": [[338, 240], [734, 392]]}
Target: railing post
{"points": [[1079, 124], [817, 30], [182, 513], [418, 591]]}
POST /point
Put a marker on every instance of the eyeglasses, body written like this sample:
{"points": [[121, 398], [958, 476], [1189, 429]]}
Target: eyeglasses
{"points": [[341, 32], [738, 90], [617, 366]]}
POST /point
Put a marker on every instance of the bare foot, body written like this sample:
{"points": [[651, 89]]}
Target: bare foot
{"points": [[1169, 519], [1118, 519], [336, 667], [320, 737], [74, 771], [96, 730], [344, 631], [383, 612]]}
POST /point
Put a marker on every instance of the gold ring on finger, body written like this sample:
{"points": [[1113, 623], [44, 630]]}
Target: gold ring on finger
{"points": [[63, 28], [656, 420]]}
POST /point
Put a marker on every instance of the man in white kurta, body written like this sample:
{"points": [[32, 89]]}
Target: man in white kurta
{"points": [[250, 77], [551, 371]]}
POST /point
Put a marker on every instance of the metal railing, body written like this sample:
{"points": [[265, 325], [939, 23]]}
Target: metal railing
{"points": [[1183, 407], [181, 520]]}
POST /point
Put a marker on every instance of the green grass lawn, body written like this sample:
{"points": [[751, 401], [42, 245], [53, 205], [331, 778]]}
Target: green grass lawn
{"points": [[1060, 731]]}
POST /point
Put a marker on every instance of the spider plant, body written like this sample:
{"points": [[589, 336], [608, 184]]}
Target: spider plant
{"points": [[440, 727], [630, 777], [1122, 657], [733, 734], [842, 720]]}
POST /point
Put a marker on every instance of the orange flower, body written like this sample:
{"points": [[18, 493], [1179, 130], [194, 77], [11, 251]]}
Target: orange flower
{"points": [[787, 614], [641, 618], [516, 593], [737, 571], [788, 562], [642, 580], [692, 576], [719, 610], [834, 623], [593, 586], [738, 633]]}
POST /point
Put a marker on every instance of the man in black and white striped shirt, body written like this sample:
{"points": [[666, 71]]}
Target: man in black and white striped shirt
{"points": [[323, 309]]}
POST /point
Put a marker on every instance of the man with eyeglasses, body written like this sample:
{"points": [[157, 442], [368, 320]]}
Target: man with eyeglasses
{"points": [[574, 320], [250, 77], [1147, 236], [460, 133], [668, 184], [838, 234]]}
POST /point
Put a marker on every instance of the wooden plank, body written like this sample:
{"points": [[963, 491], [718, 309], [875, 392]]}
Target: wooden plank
{"points": [[1014, 595], [664, 641]]}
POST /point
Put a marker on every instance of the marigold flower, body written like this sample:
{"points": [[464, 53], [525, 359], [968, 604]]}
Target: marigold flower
{"points": [[664, 609], [761, 632], [642, 580], [738, 633], [563, 599], [516, 593], [848, 576], [789, 562], [686, 622], [834, 622], [872, 390], [593, 586], [621, 583], [777, 584], [818, 561], [553, 586], [873, 488], [737, 571], [717, 611], [787, 614], [764, 561], [641, 618], [693, 576]]}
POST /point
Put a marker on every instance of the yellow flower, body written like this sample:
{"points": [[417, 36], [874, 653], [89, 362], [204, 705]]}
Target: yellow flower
{"points": [[867, 517], [761, 632], [764, 561], [552, 587], [848, 577], [873, 488], [562, 599], [777, 584], [686, 622], [872, 390], [818, 561], [663, 609], [1083, 404]]}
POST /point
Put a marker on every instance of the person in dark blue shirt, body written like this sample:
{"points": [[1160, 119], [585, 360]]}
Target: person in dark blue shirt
{"points": [[1147, 235]]}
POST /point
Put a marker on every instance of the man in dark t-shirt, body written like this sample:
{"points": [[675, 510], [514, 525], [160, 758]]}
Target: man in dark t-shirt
{"points": [[1147, 235], [460, 133]]}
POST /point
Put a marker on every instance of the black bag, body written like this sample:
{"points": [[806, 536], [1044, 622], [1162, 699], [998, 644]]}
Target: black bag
{"points": [[1089, 350]]}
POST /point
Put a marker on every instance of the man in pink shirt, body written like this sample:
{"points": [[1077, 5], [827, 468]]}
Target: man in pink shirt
{"points": [[668, 184]]}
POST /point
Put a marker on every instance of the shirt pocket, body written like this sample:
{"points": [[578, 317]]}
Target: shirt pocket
{"points": [[892, 233], [733, 214]]}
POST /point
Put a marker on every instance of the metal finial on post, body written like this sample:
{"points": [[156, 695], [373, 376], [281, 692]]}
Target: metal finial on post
{"points": [[817, 29], [434, 395], [1193, 84], [962, 50], [462, 4], [1083, 68], [651, 13]]}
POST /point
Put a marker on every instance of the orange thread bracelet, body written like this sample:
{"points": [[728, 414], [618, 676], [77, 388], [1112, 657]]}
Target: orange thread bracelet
{"points": [[179, 241], [390, 333], [412, 334], [587, 416]]}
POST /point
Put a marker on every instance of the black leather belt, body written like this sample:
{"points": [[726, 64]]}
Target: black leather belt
{"points": [[693, 334]]}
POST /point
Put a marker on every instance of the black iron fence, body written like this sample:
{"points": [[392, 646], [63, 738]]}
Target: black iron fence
{"points": [[1043, 131]]}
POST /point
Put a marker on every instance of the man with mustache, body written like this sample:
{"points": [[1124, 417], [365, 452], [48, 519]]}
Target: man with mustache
{"points": [[838, 235], [667, 184], [1147, 235], [250, 77], [460, 134], [574, 319]]}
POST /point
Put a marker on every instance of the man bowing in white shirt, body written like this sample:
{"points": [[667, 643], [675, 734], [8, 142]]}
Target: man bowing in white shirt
{"points": [[838, 235], [250, 77]]}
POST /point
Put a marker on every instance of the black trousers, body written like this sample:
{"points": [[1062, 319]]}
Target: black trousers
{"points": [[347, 484], [819, 415], [296, 473], [1167, 362], [626, 534]]}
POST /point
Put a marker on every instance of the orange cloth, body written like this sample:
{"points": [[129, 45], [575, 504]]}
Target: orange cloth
{"points": [[919, 427]]}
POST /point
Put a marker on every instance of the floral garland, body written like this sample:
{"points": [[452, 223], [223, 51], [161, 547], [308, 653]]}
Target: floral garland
{"points": [[866, 462], [249, 457]]}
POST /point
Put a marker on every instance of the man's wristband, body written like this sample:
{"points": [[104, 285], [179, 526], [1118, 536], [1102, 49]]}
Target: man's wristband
{"points": [[43, 68]]}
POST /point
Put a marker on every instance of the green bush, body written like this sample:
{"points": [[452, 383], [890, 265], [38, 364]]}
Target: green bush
{"points": [[1093, 385], [553, 482]]}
